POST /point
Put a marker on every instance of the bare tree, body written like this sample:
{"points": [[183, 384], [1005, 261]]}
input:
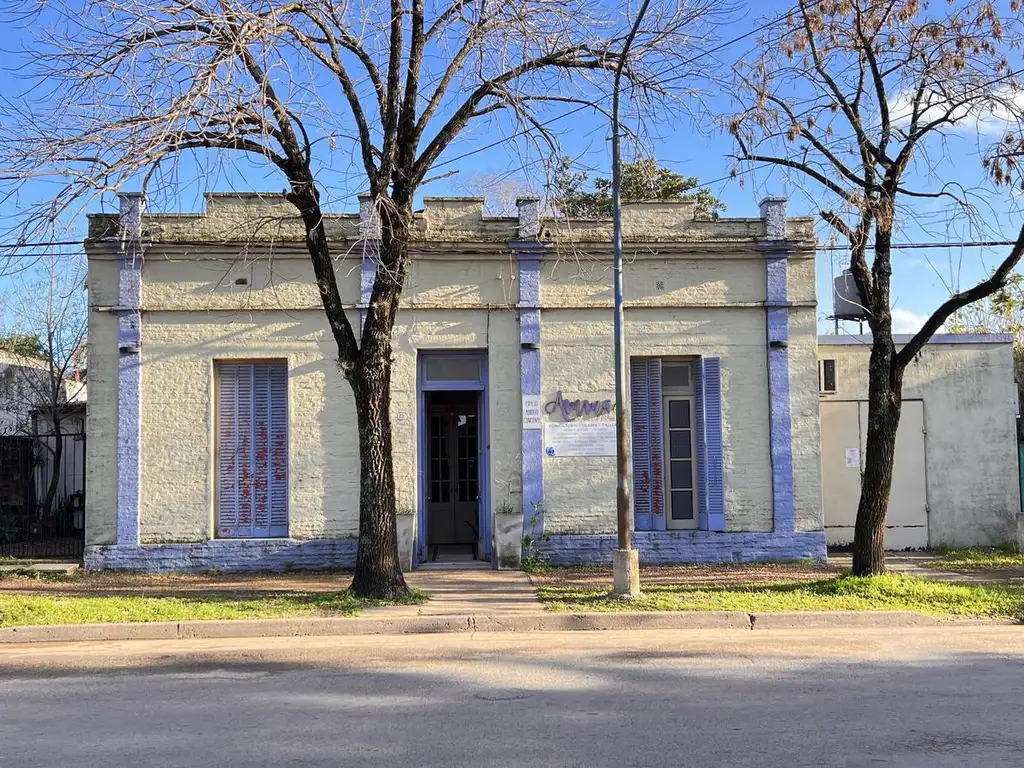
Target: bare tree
{"points": [[40, 380], [856, 99], [134, 83]]}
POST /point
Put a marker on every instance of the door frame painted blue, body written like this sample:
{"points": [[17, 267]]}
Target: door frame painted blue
{"points": [[484, 517]]}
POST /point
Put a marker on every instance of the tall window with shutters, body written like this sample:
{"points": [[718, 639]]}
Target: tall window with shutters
{"points": [[677, 444], [252, 449]]}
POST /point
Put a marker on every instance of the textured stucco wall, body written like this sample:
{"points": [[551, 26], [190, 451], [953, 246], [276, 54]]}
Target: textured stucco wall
{"points": [[177, 430], [671, 320], [701, 292], [803, 397], [968, 390], [180, 347], [494, 331], [101, 407], [576, 358]]}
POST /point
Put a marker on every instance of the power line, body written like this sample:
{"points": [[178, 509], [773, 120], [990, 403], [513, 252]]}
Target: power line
{"points": [[912, 246], [703, 54], [25, 244], [824, 248], [744, 36]]}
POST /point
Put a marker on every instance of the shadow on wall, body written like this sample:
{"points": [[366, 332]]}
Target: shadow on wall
{"points": [[625, 707]]}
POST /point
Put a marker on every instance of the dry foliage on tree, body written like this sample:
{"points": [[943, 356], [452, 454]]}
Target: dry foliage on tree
{"points": [[854, 100], [130, 85]]}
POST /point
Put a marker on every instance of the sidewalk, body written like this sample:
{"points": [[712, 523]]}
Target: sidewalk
{"points": [[920, 564], [467, 593], [462, 601]]}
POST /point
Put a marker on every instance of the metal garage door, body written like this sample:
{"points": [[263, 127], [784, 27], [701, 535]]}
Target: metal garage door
{"points": [[843, 435]]}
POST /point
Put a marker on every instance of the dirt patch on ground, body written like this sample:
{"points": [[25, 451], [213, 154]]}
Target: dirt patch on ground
{"points": [[752, 573], [101, 584], [986, 575]]}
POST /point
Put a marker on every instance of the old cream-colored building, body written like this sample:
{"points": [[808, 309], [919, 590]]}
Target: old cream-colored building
{"points": [[222, 435], [955, 477]]}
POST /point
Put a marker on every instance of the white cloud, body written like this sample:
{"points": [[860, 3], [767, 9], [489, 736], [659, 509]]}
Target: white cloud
{"points": [[990, 118], [906, 321]]}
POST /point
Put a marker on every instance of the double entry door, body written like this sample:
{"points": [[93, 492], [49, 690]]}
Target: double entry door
{"points": [[453, 455]]}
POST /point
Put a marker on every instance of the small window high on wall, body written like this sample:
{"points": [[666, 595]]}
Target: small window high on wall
{"points": [[677, 444], [252, 449]]}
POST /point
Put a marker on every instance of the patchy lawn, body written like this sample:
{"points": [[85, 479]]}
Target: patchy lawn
{"points": [[889, 592], [128, 597], [981, 558]]}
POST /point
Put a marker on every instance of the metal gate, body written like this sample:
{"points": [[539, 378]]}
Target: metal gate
{"points": [[29, 467], [843, 443]]}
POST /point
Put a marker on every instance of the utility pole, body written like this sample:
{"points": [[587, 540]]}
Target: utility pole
{"points": [[625, 560]]}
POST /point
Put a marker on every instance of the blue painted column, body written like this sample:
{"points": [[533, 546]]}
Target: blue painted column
{"points": [[129, 390], [528, 253], [775, 247], [369, 235]]}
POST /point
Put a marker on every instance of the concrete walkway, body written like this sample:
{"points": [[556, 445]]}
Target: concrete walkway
{"points": [[921, 564], [467, 592]]}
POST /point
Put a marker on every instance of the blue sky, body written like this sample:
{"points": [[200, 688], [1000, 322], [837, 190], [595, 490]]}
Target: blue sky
{"points": [[923, 278]]}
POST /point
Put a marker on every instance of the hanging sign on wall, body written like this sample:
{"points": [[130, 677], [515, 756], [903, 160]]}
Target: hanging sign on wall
{"points": [[532, 415], [589, 438], [575, 409]]}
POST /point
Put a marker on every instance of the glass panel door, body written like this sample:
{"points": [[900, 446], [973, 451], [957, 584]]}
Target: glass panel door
{"points": [[681, 499]]}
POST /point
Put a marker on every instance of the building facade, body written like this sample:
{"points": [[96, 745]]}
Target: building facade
{"points": [[223, 436], [955, 477]]}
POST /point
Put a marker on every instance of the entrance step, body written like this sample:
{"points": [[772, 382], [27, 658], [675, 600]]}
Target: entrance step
{"points": [[455, 565], [29, 568]]}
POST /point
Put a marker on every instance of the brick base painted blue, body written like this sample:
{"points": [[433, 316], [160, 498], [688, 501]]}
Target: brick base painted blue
{"points": [[226, 555], [669, 547]]}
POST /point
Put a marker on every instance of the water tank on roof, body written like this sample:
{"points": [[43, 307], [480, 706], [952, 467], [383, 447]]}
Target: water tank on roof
{"points": [[847, 302]]}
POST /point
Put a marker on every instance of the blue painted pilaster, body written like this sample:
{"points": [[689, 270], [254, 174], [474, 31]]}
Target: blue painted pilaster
{"points": [[528, 254], [129, 391], [369, 234], [773, 213]]}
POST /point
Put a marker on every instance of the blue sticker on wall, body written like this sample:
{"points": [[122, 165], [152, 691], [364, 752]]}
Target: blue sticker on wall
{"points": [[550, 450]]}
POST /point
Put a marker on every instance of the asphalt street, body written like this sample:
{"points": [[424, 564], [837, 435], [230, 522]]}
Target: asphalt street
{"points": [[947, 696]]}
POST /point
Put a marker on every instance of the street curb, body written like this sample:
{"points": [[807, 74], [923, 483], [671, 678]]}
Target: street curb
{"points": [[520, 622]]}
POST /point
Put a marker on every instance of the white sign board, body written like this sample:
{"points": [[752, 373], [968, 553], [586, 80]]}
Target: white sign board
{"points": [[853, 457], [579, 438], [532, 412]]}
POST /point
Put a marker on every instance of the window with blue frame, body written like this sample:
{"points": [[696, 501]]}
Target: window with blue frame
{"points": [[677, 444]]}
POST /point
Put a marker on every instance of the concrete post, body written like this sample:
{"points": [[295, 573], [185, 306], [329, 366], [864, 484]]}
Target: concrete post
{"points": [[626, 573], [529, 217]]}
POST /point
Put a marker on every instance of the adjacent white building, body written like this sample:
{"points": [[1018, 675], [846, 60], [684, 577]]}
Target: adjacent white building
{"points": [[956, 480]]}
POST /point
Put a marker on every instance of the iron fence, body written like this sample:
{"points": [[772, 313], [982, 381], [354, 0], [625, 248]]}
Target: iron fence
{"points": [[29, 526]]}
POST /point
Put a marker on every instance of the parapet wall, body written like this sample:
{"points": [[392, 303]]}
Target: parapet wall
{"points": [[269, 218]]}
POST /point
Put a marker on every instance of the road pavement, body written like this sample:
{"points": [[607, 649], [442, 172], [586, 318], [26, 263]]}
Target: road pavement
{"points": [[933, 696]]}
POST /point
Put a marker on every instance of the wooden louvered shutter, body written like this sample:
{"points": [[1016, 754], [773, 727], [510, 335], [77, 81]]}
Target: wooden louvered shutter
{"points": [[279, 450], [640, 404], [261, 450], [252, 444], [648, 462], [711, 488], [657, 444], [227, 449], [702, 452], [715, 482], [244, 451]]}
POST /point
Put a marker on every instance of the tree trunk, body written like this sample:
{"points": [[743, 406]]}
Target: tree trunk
{"points": [[378, 569], [885, 385]]}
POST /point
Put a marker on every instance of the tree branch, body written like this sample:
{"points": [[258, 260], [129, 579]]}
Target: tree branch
{"points": [[990, 285]]}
